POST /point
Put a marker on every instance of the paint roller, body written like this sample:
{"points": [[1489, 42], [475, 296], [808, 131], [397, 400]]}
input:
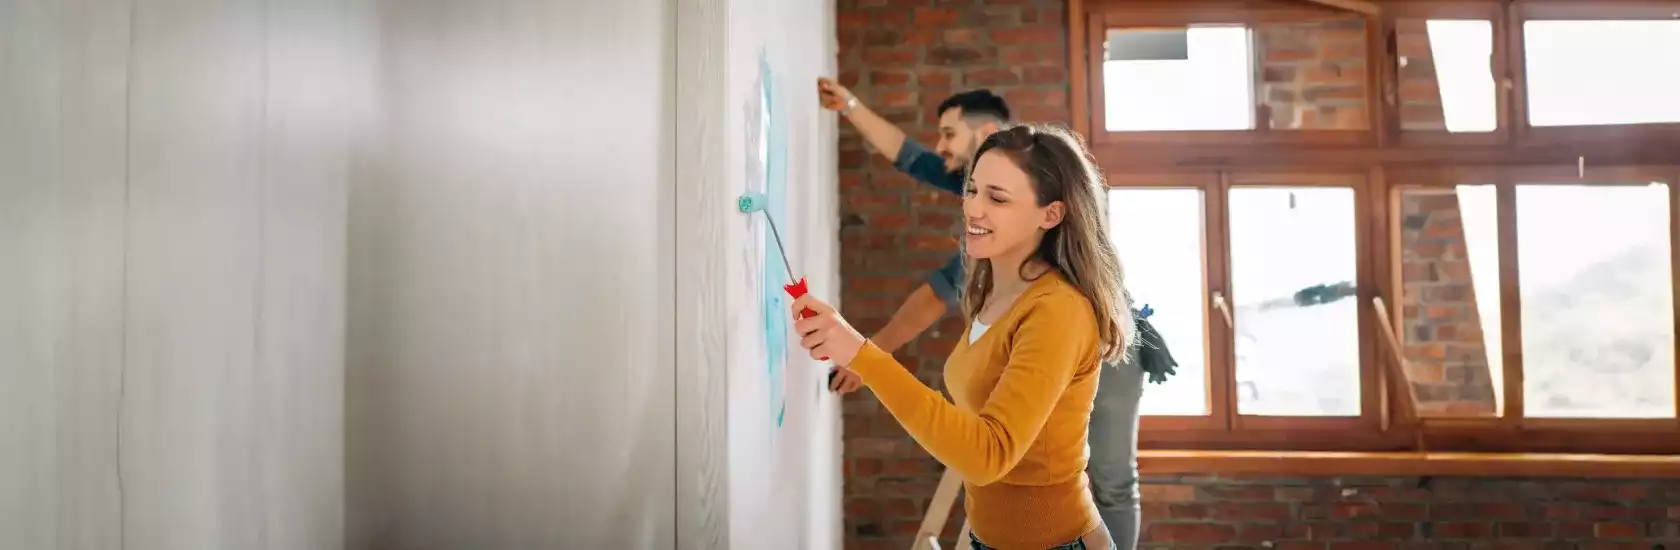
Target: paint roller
{"points": [[754, 202]]}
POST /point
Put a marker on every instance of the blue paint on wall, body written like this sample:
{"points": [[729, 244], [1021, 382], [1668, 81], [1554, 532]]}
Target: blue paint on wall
{"points": [[773, 149]]}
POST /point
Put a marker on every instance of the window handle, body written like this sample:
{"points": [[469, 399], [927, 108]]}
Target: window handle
{"points": [[1224, 309]]}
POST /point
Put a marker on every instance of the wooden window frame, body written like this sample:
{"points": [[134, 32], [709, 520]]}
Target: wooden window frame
{"points": [[1491, 11], [1214, 261], [1506, 180], [1179, 13], [1391, 161], [1576, 10]]}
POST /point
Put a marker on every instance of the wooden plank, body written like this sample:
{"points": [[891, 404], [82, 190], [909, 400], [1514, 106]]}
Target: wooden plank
{"points": [[1510, 304], [1165, 462], [939, 508], [701, 70], [1078, 69]]}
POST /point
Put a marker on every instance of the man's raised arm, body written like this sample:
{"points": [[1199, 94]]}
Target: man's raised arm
{"points": [[877, 131]]}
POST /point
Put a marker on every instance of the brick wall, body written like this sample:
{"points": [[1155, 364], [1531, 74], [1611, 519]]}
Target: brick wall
{"points": [[1441, 323], [1399, 514]]}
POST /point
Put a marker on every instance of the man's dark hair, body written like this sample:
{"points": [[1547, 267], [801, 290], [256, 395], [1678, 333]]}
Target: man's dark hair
{"points": [[977, 103]]}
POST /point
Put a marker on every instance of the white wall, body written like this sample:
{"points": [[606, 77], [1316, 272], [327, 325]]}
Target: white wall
{"points": [[172, 219], [511, 370], [770, 486], [404, 274]]}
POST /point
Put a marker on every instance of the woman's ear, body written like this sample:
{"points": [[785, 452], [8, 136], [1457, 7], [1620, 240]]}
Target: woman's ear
{"points": [[1053, 215]]}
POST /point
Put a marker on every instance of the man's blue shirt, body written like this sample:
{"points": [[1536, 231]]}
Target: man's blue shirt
{"points": [[927, 167]]}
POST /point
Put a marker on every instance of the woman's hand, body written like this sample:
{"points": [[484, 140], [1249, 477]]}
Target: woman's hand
{"points": [[825, 334], [845, 381]]}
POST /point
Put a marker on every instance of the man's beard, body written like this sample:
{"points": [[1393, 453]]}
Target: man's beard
{"points": [[955, 167]]}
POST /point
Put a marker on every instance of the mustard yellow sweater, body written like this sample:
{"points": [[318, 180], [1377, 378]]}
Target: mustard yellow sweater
{"points": [[1023, 395]]}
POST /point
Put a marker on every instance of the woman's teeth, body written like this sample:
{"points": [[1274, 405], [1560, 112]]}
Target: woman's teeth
{"points": [[979, 231]]}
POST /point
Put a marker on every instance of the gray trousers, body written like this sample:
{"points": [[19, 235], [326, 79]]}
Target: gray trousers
{"points": [[1113, 466]]}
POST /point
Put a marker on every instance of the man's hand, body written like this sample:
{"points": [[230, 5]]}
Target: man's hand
{"points": [[845, 381], [831, 95]]}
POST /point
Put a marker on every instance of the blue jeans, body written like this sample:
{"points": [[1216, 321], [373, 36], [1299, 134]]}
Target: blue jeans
{"points": [[1113, 468], [1075, 545]]}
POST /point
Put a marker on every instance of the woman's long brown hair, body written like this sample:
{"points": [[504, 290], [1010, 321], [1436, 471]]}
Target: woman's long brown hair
{"points": [[1061, 168]]}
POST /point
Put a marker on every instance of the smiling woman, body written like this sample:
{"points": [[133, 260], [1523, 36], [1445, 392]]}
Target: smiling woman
{"points": [[1046, 309]]}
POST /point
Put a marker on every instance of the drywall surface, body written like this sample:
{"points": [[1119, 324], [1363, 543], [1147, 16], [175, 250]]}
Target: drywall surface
{"points": [[782, 425], [758, 435], [510, 369], [172, 242]]}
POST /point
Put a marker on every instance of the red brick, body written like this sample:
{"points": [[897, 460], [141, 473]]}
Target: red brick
{"points": [[935, 220], [895, 99], [1573, 529], [1028, 55], [1463, 530], [1239, 492], [1044, 75], [890, 78], [1250, 511], [1035, 98], [1259, 532], [926, 17], [1167, 493], [950, 55], [867, 467], [1618, 530], [990, 77], [1197, 533], [1398, 510], [1346, 510], [1362, 545], [919, 242], [1383, 530], [902, 508], [852, 20], [1525, 530], [1027, 35], [890, 57], [893, 19]]}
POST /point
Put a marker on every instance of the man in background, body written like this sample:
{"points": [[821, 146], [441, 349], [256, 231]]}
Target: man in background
{"points": [[965, 120]]}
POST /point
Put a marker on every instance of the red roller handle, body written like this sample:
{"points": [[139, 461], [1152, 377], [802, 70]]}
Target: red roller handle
{"points": [[797, 290]]}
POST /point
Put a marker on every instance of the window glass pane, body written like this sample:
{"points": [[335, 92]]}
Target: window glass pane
{"points": [[1446, 75], [1293, 266], [1307, 76], [1195, 78], [1158, 234], [1597, 301], [1582, 73], [1449, 314]]}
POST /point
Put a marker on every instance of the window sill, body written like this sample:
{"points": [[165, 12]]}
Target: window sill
{"points": [[1405, 464]]}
